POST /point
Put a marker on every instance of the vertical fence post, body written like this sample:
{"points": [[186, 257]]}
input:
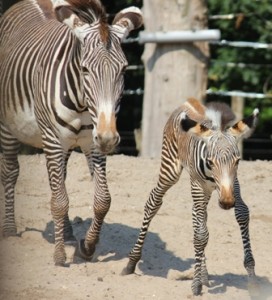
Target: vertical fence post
{"points": [[237, 106]]}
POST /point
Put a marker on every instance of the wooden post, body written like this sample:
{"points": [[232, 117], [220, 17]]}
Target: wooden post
{"points": [[173, 72], [237, 106]]}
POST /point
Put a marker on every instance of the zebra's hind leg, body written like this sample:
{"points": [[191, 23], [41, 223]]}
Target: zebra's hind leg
{"points": [[102, 201], [9, 174], [242, 217]]}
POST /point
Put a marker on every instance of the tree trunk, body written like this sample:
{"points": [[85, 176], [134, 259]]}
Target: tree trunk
{"points": [[173, 72]]}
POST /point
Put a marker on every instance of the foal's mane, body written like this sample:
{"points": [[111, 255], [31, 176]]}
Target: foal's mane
{"points": [[220, 114]]}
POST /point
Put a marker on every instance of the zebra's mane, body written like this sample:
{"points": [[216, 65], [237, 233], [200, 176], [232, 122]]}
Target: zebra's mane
{"points": [[220, 114], [89, 11]]}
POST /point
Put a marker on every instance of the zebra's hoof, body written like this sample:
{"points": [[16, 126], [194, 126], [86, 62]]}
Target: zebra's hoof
{"points": [[70, 240], [9, 232], [82, 252], [62, 264], [129, 269]]}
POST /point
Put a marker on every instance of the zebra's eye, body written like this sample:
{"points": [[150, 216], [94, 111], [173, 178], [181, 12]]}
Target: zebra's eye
{"points": [[85, 71], [123, 71], [210, 162]]}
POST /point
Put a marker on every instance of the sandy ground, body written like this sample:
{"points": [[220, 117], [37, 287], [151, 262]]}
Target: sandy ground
{"points": [[26, 264]]}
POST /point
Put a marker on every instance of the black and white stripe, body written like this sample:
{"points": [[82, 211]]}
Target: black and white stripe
{"points": [[61, 78], [208, 151]]}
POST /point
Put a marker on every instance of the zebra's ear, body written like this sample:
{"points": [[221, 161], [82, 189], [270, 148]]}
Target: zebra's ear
{"points": [[191, 126], [127, 20], [245, 127], [66, 15]]}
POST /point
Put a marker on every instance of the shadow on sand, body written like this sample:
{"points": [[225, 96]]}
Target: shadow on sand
{"points": [[116, 241]]}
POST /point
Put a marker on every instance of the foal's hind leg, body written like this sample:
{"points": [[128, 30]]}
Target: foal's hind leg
{"points": [[9, 174]]}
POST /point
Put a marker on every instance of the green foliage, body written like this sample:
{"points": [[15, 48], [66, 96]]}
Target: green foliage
{"points": [[250, 69]]}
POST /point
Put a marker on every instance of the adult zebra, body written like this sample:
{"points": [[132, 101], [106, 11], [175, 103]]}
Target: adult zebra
{"points": [[61, 79], [198, 139]]}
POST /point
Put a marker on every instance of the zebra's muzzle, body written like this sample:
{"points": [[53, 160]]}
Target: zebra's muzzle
{"points": [[106, 143]]}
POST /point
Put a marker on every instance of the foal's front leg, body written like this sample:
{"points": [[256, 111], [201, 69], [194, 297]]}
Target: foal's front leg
{"points": [[169, 174], [242, 217], [102, 201], [201, 237]]}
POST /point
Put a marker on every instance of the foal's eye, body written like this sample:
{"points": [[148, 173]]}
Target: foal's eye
{"points": [[237, 162]]}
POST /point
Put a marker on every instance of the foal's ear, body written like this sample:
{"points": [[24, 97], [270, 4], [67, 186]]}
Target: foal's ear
{"points": [[127, 20], [245, 127], [191, 126]]}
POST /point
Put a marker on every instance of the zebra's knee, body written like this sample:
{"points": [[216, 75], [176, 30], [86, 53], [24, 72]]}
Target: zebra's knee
{"points": [[10, 171], [102, 206]]}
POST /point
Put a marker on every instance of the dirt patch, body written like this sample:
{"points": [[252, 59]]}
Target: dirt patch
{"points": [[166, 268]]}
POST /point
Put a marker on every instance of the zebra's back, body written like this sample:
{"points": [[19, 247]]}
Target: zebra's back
{"points": [[29, 35]]}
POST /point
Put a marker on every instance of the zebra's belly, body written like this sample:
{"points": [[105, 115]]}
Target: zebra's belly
{"points": [[24, 127]]}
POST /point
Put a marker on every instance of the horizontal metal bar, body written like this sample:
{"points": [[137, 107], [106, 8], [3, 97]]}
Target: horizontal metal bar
{"points": [[179, 36], [242, 44], [140, 91], [238, 94]]}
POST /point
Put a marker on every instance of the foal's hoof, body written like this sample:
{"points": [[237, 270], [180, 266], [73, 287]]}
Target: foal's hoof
{"points": [[82, 252], [253, 287], [129, 269]]}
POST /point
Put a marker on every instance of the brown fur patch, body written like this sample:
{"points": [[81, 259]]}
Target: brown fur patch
{"points": [[89, 11], [238, 128], [197, 106], [47, 8], [104, 32], [103, 126]]}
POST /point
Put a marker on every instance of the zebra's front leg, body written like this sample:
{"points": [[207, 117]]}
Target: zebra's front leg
{"points": [[59, 199], [9, 174], [69, 237], [242, 217], [102, 201], [201, 237]]}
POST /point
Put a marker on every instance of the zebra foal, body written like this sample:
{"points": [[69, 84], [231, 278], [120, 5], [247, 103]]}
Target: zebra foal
{"points": [[61, 79], [201, 140]]}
